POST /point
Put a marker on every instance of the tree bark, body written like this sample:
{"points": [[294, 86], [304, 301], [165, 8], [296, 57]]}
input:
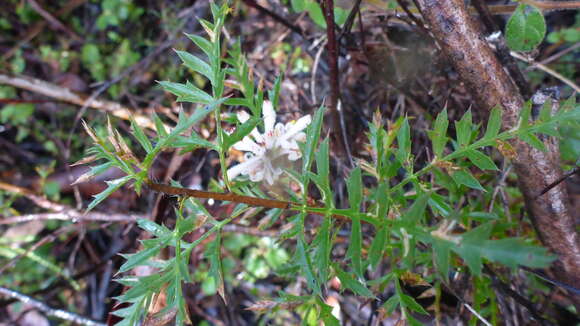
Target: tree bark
{"points": [[479, 68]]}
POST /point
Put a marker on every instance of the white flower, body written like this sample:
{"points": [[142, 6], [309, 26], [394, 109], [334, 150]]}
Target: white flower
{"points": [[264, 152]]}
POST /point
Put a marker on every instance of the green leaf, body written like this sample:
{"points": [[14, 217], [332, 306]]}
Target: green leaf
{"points": [[322, 254], [355, 247], [391, 304], [525, 115], [513, 252], [326, 314], [441, 250], [352, 284], [463, 128], [470, 247], [202, 43], [298, 5], [323, 170], [187, 92], [494, 123], [439, 135], [315, 13], [213, 254], [140, 136], [404, 141], [159, 126], [354, 186], [463, 177], [378, 247], [241, 131], [481, 160], [151, 227], [312, 137], [416, 213], [196, 64], [525, 29], [533, 140], [306, 266], [112, 186], [411, 304], [143, 256]]}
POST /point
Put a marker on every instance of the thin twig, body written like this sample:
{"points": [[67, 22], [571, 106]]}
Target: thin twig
{"points": [[72, 215], [253, 201], [52, 312], [52, 20], [275, 16], [556, 56], [557, 182], [39, 27], [547, 70], [38, 200], [66, 95]]}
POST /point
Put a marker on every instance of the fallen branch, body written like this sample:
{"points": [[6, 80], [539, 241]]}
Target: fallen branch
{"points": [[66, 95], [51, 312]]}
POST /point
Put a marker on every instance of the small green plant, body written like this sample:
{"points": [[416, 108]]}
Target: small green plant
{"points": [[394, 212]]}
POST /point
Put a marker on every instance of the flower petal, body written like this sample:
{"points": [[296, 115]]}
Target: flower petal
{"points": [[294, 127], [243, 168], [269, 116], [248, 145], [243, 116]]}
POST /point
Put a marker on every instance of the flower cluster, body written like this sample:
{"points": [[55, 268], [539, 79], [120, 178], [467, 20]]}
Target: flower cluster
{"points": [[264, 152]]}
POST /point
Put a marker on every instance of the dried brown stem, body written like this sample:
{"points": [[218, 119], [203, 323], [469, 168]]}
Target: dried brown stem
{"points": [[479, 68], [66, 95]]}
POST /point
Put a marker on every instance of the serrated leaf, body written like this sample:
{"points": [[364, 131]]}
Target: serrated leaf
{"points": [[323, 171], [441, 251], [306, 266], [416, 213], [494, 123], [141, 137], [153, 228], [378, 247], [439, 135], [525, 29], [241, 131], [326, 314], [513, 252], [463, 177], [354, 186], [112, 186], [410, 303], [312, 137], [354, 252], [202, 43], [322, 253], [142, 256], [352, 284], [404, 142], [463, 129], [187, 92], [470, 247], [480, 160], [196, 64], [525, 115], [213, 253], [533, 140], [159, 126]]}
